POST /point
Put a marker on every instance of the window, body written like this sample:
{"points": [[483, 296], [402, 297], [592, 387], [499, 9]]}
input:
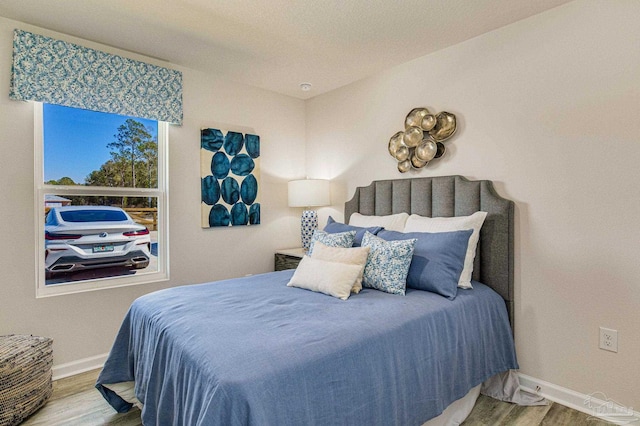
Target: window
{"points": [[101, 200]]}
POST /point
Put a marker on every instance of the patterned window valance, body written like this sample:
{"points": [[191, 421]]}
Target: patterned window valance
{"points": [[62, 73]]}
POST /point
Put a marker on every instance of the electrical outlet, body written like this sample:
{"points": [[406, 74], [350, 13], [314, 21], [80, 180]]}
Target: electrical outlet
{"points": [[608, 339]]}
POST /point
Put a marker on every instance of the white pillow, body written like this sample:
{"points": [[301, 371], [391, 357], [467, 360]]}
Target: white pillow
{"points": [[417, 223], [392, 222], [351, 256], [332, 278]]}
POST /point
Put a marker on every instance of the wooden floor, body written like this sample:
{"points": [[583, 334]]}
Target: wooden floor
{"points": [[75, 401], [489, 411]]}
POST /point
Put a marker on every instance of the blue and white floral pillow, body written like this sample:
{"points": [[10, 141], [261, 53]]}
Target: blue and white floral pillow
{"points": [[388, 263], [341, 239]]}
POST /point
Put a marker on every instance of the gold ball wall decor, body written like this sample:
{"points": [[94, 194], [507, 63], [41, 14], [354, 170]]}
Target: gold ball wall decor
{"points": [[395, 142], [422, 138], [412, 136], [416, 162], [428, 122], [404, 166], [415, 117], [402, 153], [427, 150], [445, 126]]}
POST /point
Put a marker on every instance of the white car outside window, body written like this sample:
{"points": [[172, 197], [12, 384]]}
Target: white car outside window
{"points": [[88, 237]]}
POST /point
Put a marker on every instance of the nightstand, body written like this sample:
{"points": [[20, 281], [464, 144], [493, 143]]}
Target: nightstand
{"points": [[288, 258]]}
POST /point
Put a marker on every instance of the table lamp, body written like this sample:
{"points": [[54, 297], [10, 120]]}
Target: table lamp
{"points": [[308, 193]]}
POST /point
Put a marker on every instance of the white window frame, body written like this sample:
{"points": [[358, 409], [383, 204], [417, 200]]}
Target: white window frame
{"points": [[41, 189]]}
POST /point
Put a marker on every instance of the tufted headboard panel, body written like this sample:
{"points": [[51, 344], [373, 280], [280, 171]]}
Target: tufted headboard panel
{"points": [[446, 196]]}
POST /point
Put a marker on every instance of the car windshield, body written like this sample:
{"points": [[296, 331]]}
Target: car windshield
{"points": [[93, 216]]}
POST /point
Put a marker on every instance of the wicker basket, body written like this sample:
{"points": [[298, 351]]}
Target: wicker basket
{"points": [[25, 376]]}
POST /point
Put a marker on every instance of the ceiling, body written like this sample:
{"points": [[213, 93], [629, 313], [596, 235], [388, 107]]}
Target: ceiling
{"points": [[278, 44]]}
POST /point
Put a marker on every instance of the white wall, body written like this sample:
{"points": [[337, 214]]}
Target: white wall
{"points": [[548, 109], [84, 325]]}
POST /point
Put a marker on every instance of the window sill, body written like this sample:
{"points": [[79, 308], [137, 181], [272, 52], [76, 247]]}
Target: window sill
{"points": [[74, 287]]}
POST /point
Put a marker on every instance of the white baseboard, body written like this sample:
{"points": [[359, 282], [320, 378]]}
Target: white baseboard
{"points": [[597, 404], [80, 366]]}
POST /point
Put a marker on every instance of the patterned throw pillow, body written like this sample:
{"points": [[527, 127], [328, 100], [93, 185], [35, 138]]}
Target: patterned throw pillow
{"points": [[341, 239], [387, 264]]}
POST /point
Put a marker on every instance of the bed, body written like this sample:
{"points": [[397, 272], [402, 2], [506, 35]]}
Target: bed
{"points": [[255, 351]]}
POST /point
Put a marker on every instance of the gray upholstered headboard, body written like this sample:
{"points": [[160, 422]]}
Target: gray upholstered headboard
{"points": [[447, 196]]}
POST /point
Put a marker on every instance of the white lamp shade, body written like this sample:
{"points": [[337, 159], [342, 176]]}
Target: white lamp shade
{"points": [[309, 193]]}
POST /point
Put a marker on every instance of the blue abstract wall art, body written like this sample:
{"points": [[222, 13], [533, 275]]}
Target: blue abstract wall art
{"points": [[230, 176]]}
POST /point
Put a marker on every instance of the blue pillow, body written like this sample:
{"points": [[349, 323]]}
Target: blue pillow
{"points": [[387, 264], [334, 227], [438, 259]]}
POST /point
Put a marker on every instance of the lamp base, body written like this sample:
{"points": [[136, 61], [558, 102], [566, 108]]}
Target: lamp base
{"points": [[308, 224]]}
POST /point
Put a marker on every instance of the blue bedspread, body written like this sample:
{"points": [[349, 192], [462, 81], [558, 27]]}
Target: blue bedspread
{"points": [[254, 351]]}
